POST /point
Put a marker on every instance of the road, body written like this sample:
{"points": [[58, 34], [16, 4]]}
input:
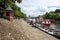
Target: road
{"points": [[30, 32]]}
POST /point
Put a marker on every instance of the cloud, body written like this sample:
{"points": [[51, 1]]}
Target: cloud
{"points": [[38, 7]]}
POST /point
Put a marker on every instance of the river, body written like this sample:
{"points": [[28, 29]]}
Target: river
{"points": [[55, 26]]}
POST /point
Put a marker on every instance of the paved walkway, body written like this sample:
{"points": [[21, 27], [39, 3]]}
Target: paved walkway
{"points": [[30, 32], [9, 32]]}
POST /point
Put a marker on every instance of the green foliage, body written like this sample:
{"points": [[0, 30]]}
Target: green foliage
{"points": [[57, 11], [53, 15]]}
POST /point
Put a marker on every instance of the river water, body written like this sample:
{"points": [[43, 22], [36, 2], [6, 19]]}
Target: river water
{"points": [[55, 26]]}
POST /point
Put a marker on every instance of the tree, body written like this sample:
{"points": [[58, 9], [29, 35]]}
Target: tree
{"points": [[57, 11], [5, 3], [53, 15], [17, 10]]}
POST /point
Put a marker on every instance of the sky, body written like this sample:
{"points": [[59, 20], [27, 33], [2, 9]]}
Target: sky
{"points": [[38, 7]]}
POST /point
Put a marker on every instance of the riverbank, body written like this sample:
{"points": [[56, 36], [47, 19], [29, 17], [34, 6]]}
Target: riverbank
{"points": [[21, 30]]}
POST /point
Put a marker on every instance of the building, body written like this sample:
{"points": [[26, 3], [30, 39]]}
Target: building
{"points": [[7, 13]]}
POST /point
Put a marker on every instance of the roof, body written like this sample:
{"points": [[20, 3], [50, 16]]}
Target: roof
{"points": [[8, 8]]}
